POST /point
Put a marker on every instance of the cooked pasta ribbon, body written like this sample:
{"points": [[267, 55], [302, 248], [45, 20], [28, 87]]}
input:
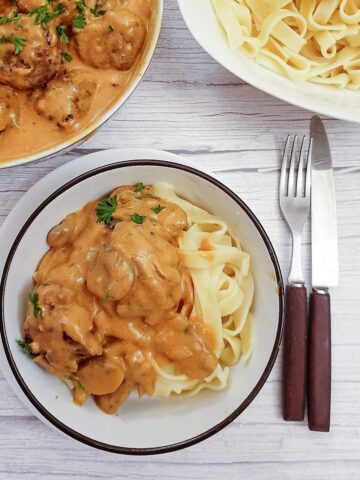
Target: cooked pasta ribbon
{"points": [[315, 40], [224, 290]]}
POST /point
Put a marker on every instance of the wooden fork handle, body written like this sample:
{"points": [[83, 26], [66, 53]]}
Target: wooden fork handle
{"points": [[319, 380], [295, 340]]}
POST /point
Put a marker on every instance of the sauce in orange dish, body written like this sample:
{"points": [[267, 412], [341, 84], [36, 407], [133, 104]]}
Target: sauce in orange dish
{"points": [[63, 64], [112, 295]]}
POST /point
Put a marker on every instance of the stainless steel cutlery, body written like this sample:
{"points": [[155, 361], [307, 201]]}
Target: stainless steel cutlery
{"points": [[307, 344], [295, 191], [325, 267]]}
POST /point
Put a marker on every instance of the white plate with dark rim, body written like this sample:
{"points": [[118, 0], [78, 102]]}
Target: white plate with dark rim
{"points": [[202, 23], [142, 426]]}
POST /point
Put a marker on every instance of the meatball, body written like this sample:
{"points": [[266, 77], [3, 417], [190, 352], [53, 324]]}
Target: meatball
{"points": [[28, 54], [9, 108], [66, 100], [136, 6], [60, 328], [112, 275], [113, 40], [6, 7], [143, 8]]}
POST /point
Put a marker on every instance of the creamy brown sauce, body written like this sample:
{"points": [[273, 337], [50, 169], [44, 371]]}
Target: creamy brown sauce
{"points": [[45, 100], [113, 297]]}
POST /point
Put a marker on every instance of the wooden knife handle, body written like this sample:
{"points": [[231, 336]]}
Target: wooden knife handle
{"points": [[295, 341], [319, 379]]}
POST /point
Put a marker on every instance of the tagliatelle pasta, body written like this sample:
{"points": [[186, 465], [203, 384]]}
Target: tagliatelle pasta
{"points": [[315, 40], [224, 290]]}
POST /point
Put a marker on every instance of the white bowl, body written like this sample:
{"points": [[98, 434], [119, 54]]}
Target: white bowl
{"points": [[202, 23], [91, 129], [142, 426]]}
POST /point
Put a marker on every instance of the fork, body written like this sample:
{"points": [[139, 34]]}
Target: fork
{"points": [[294, 196]]}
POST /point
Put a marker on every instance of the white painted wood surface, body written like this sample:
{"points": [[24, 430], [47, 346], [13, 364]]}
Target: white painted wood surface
{"points": [[190, 105]]}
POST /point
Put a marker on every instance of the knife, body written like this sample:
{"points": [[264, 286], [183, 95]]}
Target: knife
{"points": [[325, 268]]}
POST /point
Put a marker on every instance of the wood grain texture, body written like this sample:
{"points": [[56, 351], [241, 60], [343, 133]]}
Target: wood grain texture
{"points": [[190, 105]]}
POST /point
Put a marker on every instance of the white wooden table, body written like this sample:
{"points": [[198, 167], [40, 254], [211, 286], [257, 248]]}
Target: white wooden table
{"points": [[191, 106]]}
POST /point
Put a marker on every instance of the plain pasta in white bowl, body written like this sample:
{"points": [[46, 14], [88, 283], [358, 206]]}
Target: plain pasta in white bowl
{"points": [[301, 39], [264, 67]]}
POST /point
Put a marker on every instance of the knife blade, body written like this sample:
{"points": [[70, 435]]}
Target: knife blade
{"points": [[325, 267], [324, 244]]}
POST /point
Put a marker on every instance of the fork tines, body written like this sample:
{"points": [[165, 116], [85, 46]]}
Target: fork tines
{"points": [[287, 184]]}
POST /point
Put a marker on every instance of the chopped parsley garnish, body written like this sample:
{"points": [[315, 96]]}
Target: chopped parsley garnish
{"points": [[18, 42], [25, 347], [61, 31], [40, 14], [43, 16], [110, 29], [80, 6], [139, 219], [106, 298], [4, 20], [157, 209], [139, 187], [34, 299], [16, 17], [66, 56], [79, 21], [76, 381], [97, 13], [105, 209]]}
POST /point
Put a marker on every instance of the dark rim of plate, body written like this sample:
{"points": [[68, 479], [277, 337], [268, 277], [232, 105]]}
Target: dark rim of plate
{"points": [[191, 441]]}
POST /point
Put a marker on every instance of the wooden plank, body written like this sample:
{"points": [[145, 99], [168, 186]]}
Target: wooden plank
{"points": [[263, 450]]}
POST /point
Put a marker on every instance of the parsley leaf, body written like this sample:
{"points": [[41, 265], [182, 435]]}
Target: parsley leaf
{"points": [[105, 209], [80, 21], [57, 11], [106, 298], [66, 56], [39, 13], [18, 42], [139, 187], [157, 209], [34, 299], [4, 20], [80, 6], [25, 347], [43, 16], [61, 31], [97, 13], [16, 17], [139, 219], [110, 29], [76, 381]]}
